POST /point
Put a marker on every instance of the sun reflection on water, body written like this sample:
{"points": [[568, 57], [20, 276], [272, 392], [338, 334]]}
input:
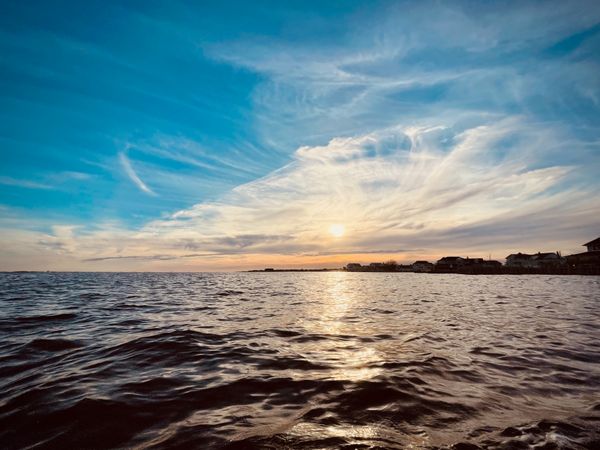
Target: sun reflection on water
{"points": [[349, 357]]}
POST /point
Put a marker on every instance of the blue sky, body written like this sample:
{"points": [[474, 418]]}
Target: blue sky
{"points": [[192, 136]]}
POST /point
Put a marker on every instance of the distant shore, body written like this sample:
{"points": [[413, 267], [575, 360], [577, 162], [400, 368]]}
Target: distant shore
{"points": [[546, 263], [460, 271], [296, 270]]}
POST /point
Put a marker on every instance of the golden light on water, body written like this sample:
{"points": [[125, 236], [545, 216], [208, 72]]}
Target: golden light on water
{"points": [[337, 230], [350, 359]]}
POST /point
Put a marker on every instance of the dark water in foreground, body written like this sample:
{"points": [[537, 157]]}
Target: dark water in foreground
{"points": [[299, 360]]}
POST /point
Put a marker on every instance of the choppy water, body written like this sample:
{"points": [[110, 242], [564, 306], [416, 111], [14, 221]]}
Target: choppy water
{"points": [[299, 360]]}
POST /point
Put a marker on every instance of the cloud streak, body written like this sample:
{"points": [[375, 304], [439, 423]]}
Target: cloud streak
{"points": [[128, 168], [9, 181]]}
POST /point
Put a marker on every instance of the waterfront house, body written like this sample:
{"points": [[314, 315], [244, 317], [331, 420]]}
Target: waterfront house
{"points": [[480, 266], [422, 266], [585, 263], [519, 260], [473, 261], [536, 261], [549, 260], [353, 267], [492, 264], [449, 263], [593, 246]]}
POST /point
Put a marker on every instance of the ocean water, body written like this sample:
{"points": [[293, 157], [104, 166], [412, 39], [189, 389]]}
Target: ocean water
{"points": [[299, 360]]}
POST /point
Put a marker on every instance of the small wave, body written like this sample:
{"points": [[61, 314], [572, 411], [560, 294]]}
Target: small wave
{"points": [[92, 295], [131, 306], [45, 318], [53, 345], [228, 292]]}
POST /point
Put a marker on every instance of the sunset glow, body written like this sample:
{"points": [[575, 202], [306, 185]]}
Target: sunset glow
{"points": [[337, 230]]}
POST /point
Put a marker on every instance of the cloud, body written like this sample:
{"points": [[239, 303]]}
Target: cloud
{"points": [[9, 181], [52, 181], [395, 183], [126, 164], [401, 63], [138, 257], [403, 191]]}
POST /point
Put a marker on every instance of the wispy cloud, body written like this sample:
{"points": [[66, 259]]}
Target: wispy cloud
{"points": [[126, 164], [402, 63], [394, 184], [9, 181]]}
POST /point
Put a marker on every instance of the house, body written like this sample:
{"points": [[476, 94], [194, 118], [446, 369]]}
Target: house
{"points": [[593, 246], [449, 263], [422, 266], [585, 263], [376, 267], [492, 264], [520, 260], [353, 267], [536, 261], [473, 261], [478, 266], [548, 260], [388, 266]]}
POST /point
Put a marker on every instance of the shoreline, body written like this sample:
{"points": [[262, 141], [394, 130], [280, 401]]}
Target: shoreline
{"points": [[496, 272]]}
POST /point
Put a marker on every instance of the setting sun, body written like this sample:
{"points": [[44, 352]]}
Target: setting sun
{"points": [[337, 230]]}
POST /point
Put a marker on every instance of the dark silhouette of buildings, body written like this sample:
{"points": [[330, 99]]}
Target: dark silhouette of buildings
{"points": [[516, 263], [388, 266], [593, 246], [449, 264], [586, 263], [535, 261], [422, 266]]}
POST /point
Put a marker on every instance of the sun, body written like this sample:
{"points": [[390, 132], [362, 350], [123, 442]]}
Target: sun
{"points": [[337, 230]]}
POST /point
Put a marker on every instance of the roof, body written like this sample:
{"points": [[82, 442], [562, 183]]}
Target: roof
{"points": [[546, 256], [585, 255], [519, 255], [450, 258], [595, 241], [422, 262]]}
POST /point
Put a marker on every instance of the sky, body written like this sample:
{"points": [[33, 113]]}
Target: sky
{"points": [[193, 136]]}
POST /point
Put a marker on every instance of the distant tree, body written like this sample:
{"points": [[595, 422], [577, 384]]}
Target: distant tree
{"points": [[391, 264]]}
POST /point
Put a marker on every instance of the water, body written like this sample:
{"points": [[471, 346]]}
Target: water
{"points": [[299, 360]]}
